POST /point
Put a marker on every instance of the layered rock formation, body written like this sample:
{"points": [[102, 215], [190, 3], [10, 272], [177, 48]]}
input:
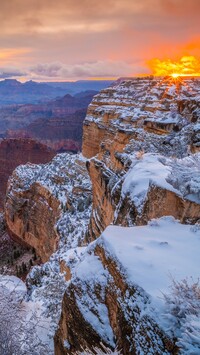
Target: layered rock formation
{"points": [[56, 123], [143, 133], [141, 141], [144, 113], [14, 152], [41, 196], [154, 186], [31, 216], [104, 306], [141, 115]]}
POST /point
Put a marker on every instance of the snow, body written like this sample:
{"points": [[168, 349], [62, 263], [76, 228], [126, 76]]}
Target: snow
{"points": [[90, 272], [62, 176], [21, 320], [152, 254], [144, 172], [13, 283], [181, 176], [131, 102], [66, 177], [149, 258]]}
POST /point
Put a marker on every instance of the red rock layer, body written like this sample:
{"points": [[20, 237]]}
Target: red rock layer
{"points": [[14, 152]]}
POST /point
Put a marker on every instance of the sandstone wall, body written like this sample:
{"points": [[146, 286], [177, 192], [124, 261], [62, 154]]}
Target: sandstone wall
{"points": [[31, 216], [143, 115], [132, 328], [14, 152]]}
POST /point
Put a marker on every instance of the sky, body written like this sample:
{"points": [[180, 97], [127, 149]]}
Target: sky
{"points": [[57, 40]]}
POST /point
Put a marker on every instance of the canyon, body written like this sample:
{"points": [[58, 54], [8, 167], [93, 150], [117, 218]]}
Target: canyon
{"points": [[112, 223], [56, 123], [35, 132], [15, 92]]}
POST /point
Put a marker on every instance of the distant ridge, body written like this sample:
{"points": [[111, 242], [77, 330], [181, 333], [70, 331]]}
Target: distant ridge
{"points": [[13, 91]]}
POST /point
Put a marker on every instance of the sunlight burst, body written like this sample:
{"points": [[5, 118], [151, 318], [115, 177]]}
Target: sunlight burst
{"points": [[186, 66]]}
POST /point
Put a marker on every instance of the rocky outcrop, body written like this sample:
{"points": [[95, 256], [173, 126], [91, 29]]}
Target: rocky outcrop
{"points": [[31, 216], [14, 152], [104, 308], [148, 113], [42, 200], [103, 203], [140, 115], [139, 140], [154, 186]]}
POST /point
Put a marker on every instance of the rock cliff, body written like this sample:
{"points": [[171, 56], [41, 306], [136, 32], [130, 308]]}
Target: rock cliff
{"points": [[141, 139], [14, 152], [104, 306], [44, 201], [143, 115], [152, 114]]}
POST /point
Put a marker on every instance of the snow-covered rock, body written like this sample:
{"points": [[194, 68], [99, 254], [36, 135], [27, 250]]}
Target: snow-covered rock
{"points": [[115, 296], [45, 204]]}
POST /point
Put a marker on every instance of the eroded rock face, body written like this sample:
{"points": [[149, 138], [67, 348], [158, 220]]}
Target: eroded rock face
{"points": [[31, 216], [14, 152], [103, 203], [134, 178], [103, 309], [153, 186], [143, 115], [45, 204]]}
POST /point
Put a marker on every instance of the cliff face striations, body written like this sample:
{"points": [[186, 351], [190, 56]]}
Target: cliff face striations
{"points": [[125, 127], [144, 113], [106, 283], [42, 200], [141, 140], [31, 216]]}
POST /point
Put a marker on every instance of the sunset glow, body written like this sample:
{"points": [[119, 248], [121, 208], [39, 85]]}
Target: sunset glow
{"points": [[81, 40], [175, 75], [186, 66]]}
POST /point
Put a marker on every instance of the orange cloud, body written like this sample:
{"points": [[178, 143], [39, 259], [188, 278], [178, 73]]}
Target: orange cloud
{"points": [[7, 55], [186, 66]]}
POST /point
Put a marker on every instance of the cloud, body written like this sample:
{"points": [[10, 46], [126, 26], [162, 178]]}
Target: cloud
{"points": [[85, 70], [187, 65], [69, 16], [113, 37], [10, 73]]}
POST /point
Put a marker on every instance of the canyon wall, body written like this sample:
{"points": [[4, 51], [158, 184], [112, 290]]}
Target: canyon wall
{"points": [[141, 141], [14, 152], [102, 309], [45, 202], [140, 136], [143, 115], [31, 216]]}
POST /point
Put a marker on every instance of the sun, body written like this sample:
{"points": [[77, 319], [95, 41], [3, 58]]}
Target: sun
{"points": [[187, 66], [175, 75]]}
